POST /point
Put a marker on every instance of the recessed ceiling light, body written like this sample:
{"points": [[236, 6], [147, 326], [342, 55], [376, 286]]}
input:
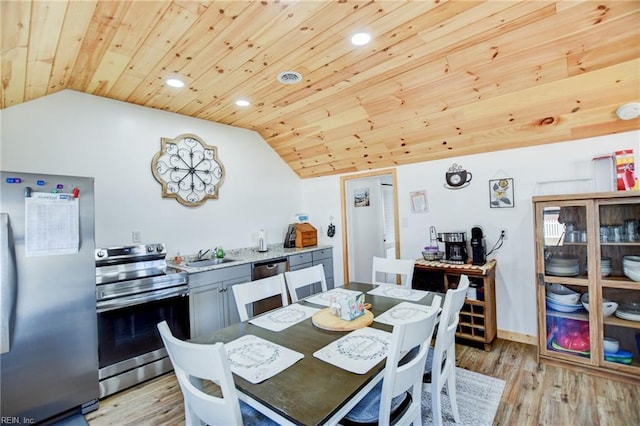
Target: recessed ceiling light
{"points": [[289, 77], [175, 82], [360, 39], [243, 102]]}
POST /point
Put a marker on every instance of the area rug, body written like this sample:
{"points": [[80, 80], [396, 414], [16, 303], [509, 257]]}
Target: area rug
{"points": [[478, 399]]}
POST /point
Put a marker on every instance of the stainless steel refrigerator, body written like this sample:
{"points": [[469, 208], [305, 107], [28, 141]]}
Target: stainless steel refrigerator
{"points": [[48, 331]]}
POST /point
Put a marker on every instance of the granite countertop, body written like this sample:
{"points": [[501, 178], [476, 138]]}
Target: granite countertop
{"points": [[242, 256]]}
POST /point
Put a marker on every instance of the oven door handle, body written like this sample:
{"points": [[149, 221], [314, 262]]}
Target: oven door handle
{"points": [[123, 302]]}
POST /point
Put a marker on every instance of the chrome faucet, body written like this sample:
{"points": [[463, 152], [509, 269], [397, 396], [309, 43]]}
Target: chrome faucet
{"points": [[202, 253]]}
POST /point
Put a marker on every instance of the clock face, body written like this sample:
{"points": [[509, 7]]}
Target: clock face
{"points": [[455, 179], [188, 170]]}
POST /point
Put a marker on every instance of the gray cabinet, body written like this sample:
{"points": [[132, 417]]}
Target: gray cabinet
{"points": [[322, 257], [325, 257], [211, 301]]}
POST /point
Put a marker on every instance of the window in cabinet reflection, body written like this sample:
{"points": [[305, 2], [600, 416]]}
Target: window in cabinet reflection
{"points": [[564, 225], [553, 230]]}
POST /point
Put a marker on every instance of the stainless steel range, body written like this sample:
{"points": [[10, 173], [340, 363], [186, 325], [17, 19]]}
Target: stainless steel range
{"points": [[135, 290]]}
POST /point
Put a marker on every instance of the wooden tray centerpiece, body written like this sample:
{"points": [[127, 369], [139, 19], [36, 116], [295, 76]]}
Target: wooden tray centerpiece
{"points": [[327, 320]]}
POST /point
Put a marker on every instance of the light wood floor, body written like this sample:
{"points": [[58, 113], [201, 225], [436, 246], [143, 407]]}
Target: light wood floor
{"points": [[534, 394]]}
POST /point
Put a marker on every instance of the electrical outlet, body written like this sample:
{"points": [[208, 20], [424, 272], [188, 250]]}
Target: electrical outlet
{"points": [[136, 237], [504, 234]]}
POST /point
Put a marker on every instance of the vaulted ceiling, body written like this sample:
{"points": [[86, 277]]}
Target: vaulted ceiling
{"points": [[439, 78]]}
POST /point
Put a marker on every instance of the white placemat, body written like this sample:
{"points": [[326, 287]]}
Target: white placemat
{"points": [[283, 318], [326, 297], [397, 292], [256, 359], [403, 312], [358, 351]]}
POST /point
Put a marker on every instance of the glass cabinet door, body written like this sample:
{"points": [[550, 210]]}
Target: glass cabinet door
{"points": [[619, 277], [563, 232]]}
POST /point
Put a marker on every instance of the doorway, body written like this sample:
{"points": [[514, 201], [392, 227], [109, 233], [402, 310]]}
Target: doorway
{"points": [[369, 221]]}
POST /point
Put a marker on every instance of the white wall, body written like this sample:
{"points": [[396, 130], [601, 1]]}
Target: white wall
{"points": [[460, 210], [77, 134]]}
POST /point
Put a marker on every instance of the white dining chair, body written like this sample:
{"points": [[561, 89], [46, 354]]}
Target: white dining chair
{"points": [[304, 278], [254, 291], [194, 364], [386, 270], [440, 368], [397, 398]]}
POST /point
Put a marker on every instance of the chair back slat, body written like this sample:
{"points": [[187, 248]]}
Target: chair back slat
{"points": [[303, 278], [195, 363], [387, 270], [443, 363], [257, 290], [400, 375]]}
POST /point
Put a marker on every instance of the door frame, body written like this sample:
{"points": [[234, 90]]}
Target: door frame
{"points": [[343, 202]]}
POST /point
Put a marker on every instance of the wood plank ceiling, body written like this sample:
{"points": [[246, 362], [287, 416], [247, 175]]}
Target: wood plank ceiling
{"points": [[439, 78]]}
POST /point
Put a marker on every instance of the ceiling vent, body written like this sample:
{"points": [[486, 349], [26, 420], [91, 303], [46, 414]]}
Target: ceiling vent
{"points": [[289, 77]]}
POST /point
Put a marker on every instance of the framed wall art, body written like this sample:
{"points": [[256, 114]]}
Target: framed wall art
{"points": [[188, 169], [419, 202], [361, 197], [501, 193]]}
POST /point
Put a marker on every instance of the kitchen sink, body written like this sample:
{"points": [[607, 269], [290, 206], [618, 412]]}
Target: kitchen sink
{"points": [[210, 262]]}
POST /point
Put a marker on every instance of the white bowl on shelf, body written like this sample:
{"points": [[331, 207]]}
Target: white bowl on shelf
{"points": [[562, 307], [611, 345], [562, 294], [608, 306], [631, 262], [562, 271], [563, 260], [630, 273]]}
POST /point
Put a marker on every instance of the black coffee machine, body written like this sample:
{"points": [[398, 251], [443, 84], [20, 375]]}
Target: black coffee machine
{"points": [[478, 248], [455, 247]]}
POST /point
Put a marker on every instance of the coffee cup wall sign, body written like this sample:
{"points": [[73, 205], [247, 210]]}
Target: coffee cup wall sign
{"points": [[457, 177], [188, 170]]}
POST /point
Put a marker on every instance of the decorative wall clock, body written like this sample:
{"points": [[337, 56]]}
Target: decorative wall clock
{"points": [[188, 170]]}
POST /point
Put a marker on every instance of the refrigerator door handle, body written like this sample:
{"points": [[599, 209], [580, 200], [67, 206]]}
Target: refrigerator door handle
{"points": [[8, 282]]}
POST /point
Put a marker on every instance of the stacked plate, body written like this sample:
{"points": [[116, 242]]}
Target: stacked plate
{"points": [[563, 307], [629, 311], [605, 266], [562, 266], [631, 267]]}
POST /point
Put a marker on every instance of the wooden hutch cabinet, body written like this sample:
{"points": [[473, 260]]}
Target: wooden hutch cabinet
{"points": [[478, 314], [582, 243]]}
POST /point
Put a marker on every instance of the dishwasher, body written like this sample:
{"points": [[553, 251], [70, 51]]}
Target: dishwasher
{"points": [[266, 269]]}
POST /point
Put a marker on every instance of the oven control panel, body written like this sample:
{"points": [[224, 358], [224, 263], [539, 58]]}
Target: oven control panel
{"points": [[130, 252]]}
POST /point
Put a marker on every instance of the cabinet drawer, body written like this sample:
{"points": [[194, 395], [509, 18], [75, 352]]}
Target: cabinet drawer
{"points": [[307, 241], [297, 259], [328, 266], [322, 254], [221, 274]]}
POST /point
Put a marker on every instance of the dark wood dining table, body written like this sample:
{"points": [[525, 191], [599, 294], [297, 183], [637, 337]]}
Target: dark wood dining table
{"points": [[311, 391]]}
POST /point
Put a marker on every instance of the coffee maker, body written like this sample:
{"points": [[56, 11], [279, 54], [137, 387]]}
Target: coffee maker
{"points": [[478, 248], [455, 247]]}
